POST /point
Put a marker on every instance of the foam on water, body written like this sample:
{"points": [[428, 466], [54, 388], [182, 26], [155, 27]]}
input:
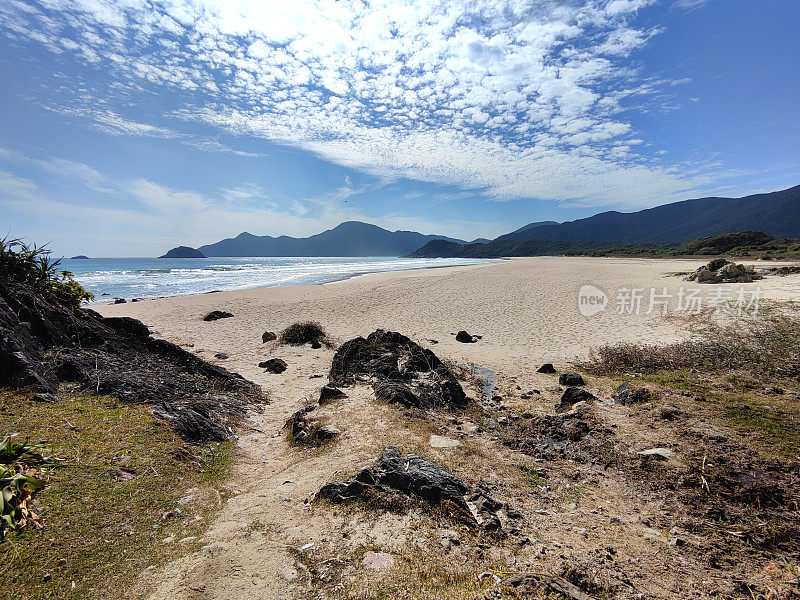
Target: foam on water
{"points": [[129, 278]]}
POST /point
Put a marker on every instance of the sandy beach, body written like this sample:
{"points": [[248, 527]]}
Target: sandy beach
{"points": [[526, 311]]}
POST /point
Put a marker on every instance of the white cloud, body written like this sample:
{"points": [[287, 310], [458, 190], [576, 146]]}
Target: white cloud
{"points": [[521, 99], [18, 188]]}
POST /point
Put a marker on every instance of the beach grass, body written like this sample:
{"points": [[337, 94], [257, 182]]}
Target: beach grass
{"points": [[124, 483]]}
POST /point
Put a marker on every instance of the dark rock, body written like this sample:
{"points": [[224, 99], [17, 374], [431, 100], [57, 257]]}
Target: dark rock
{"points": [[327, 432], [119, 301], [268, 336], [307, 430], [717, 264], [221, 356], [396, 392], [629, 393], [215, 315], [570, 379], [573, 395], [410, 474], [316, 345], [465, 338], [44, 341], [546, 368], [330, 392], [274, 365], [416, 375]]}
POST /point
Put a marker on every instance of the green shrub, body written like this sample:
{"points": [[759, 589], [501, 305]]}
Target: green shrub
{"points": [[298, 334], [33, 265]]}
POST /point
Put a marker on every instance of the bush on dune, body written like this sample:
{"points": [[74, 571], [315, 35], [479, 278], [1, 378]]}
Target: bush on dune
{"points": [[301, 333]]}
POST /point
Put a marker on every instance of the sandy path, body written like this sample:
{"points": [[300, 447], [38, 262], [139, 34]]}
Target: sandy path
{"points": [[525, 309]]}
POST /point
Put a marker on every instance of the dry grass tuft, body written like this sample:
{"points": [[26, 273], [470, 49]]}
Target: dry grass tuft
{"points": [[765, 345]]}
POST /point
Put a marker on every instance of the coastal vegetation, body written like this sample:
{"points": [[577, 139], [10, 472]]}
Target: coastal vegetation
{"points": [[304, 332], [33, 265], [113, 504]]}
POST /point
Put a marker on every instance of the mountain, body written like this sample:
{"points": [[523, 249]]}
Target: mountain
{"points": [[503, 248], [752, 244], [521, 231], [183, 252], [776, 214], [351, 238]]}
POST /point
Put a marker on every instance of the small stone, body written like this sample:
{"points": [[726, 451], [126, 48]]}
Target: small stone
{"points": [[315, 344], [377, 560], [546, 368], [440, 441], [221, 356], [656, 453], [268, 336], [489, 575], [274, 365], [327, 432], [329, 393]]}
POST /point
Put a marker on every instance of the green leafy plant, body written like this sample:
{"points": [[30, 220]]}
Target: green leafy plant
{"points": [[20, 463], [34, 265]]}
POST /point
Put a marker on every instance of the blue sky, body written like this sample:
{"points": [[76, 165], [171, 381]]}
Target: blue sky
{"points": [[132, 126]]}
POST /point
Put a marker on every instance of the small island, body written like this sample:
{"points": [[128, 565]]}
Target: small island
{"points": [[79, 257], [183, 252]]}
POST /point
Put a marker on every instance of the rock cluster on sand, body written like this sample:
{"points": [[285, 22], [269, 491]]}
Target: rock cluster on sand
{"points": [[400, 371], [44, 341], [413, 475], [720, 270], [308, 430]]}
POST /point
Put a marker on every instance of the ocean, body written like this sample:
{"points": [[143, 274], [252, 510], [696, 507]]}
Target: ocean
{"points": [[129, 278]]}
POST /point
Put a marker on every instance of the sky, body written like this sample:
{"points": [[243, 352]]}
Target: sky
{"points": [[128, 127]]}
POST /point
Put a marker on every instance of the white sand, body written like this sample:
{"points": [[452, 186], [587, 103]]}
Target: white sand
{"points": [[525, 309]]}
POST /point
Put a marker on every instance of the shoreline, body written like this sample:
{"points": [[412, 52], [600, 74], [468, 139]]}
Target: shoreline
{"points": [[108, 300]]}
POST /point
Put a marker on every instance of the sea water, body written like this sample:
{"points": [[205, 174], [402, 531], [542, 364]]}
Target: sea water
{"points": [[130, 278]]}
